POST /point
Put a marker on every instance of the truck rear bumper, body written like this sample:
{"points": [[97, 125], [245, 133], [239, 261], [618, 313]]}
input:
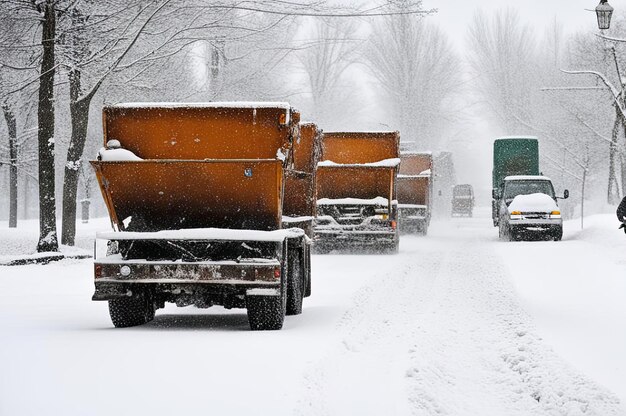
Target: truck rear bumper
{"points": [[114, 279], [324, 240]]}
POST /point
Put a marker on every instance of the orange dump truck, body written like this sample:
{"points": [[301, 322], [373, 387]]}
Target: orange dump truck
{"points": [[300, 180], [195, 197], [414, 192], [356, 188]]}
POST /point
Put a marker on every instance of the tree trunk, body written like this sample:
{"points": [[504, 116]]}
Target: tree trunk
{"points": [[613, 189], [9, 116], [79, 111], [45, 135]]}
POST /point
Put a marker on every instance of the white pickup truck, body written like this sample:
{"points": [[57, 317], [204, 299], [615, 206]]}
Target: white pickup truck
{"points": [[528, 208]]}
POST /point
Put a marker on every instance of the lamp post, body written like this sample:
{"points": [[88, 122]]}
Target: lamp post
{"points": [[604, 11]]}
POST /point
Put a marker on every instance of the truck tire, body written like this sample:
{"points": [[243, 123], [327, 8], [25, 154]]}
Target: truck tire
{"points": [[295, 283], [557, 234], [266, 313], [307, 270], [131, 311]]}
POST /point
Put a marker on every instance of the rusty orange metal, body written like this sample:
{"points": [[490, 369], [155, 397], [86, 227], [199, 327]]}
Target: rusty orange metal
{"points": [[413, 190], [362, 182], [300, 183], [166, 194], [307, 151], [205, 165], [360, 147], [197, 132], [414, 179], [415, 163]]}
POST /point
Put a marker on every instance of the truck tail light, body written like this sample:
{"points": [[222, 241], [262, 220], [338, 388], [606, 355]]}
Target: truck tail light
{"points": [[98, 270], [394, 224], [277, 273]]}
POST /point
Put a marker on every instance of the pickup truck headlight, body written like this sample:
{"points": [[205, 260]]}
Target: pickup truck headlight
{"points": [[516, 215], [555, 214]]}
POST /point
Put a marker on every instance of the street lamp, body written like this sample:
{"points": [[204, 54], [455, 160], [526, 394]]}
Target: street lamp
{"points": [[604, 12]]}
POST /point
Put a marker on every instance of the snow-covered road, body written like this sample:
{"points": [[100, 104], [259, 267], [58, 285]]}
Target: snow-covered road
{"points": [[458, 323]]}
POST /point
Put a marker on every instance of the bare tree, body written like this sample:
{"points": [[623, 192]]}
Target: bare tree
{"points": [[502, 59], [325, 58], [417, 69]]}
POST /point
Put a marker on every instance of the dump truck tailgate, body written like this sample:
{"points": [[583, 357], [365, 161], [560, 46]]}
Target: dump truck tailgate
{"points": [[166, 194]]}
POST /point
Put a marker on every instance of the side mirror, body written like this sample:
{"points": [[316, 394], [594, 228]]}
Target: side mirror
{"points": [[565, 194]]}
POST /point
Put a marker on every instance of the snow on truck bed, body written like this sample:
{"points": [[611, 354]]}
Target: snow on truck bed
{"points": [[223, 104], [117, 155], [526, 178], [379, 200], [387, 163], [204, 234]]}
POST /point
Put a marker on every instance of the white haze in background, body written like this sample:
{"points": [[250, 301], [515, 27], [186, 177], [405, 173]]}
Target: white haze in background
{"points": [[474, 141]]}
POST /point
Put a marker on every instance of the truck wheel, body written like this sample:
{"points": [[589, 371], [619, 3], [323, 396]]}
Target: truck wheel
{"points": [[307, 270], [295, 283], [557, 234], [131, 311], [266, 312]]}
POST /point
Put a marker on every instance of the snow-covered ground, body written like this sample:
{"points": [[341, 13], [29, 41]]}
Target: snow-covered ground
{"points": [[458, 323]]}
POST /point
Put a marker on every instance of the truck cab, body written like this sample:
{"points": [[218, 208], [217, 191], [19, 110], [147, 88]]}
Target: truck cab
{"points": [[528, 208], [462, 200]]}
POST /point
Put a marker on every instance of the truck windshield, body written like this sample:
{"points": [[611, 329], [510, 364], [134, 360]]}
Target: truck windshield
{"points": [[462, 190], [514, 188]]}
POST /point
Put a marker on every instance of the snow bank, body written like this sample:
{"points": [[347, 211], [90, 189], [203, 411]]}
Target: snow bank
{"points": [[117, 155], [204, 234], [533, 203], [388, 163]]}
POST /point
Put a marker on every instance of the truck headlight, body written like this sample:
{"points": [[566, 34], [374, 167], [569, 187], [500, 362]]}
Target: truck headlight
{"points": [[516, 215], [555, 214]]}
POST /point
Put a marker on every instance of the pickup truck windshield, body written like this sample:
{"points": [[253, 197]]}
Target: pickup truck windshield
{"points": [[515, 188]]}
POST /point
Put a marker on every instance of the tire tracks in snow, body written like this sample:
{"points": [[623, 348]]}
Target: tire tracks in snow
{"points": [[364, 372], [444, 334], [479, 355]]}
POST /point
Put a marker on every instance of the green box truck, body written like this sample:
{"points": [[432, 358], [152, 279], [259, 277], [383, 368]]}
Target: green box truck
{"points": [[517, 155]]}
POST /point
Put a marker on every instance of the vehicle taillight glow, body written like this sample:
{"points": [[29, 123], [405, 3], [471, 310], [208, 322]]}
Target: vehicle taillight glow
{"points": [[98, 270], [277, 273], [394, 224]]}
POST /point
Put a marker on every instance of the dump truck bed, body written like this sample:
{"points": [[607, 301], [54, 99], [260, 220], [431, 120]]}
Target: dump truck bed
{"points": [[360, 147], [356, 188], [300, 182], [414, 189], [167, 194], [202, 130]]}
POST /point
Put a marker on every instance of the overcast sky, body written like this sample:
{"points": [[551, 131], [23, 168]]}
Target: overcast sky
{"points": [[473, 157], [454, 15]]}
